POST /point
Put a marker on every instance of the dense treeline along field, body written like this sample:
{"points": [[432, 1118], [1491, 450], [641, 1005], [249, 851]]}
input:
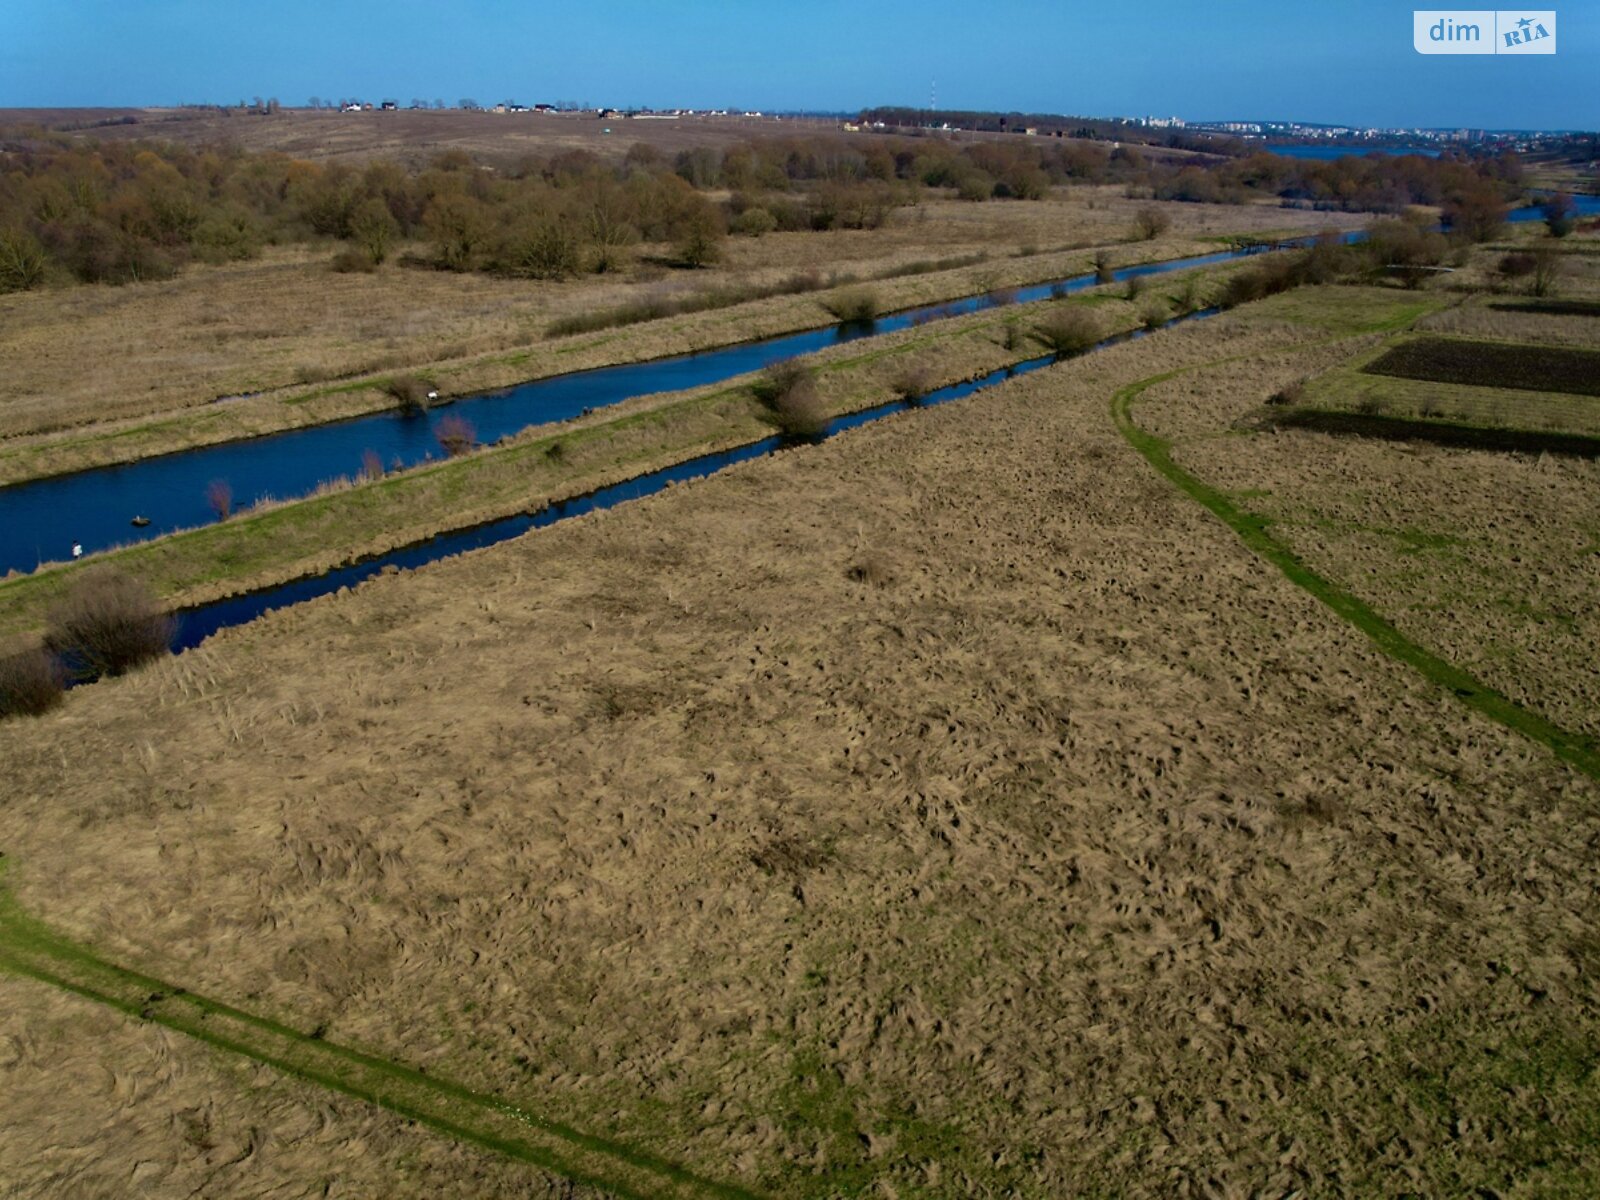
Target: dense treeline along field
{"points": [[131, 211]]}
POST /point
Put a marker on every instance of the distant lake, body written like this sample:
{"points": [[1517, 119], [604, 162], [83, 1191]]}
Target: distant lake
{"points": [[1331, 152]]}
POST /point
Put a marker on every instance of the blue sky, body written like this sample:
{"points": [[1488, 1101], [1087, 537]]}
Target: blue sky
{"points": [[1345, 60]]}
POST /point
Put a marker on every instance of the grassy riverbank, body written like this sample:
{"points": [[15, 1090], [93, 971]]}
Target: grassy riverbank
{"points": [[354, 518]]}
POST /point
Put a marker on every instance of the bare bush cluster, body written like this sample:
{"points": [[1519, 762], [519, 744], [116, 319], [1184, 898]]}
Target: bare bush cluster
{"points": [[853, 306], [153, 207], [411, 394], [1150, 223], [787, 392], [1067, 330], [107, 624], [911, 382]]}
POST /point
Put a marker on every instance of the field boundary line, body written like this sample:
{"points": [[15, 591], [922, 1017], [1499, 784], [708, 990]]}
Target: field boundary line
{"points": [[1573, 749], [29, 948]]}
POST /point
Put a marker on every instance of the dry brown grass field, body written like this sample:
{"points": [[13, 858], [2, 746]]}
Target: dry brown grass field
{"points": [[951, 809], [100, 1108], [413, 137], [418, 136], [1491, 558]]}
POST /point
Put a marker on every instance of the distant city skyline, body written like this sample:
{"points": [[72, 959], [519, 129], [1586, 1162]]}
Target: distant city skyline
{"points": [[1248, 60]]}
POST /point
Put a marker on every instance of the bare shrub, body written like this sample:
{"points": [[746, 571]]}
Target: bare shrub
{"points": [[1001, 296], [22, 261], [853, 306], [975, 186], [1102, 267], [371, 465], [1068, 330], [787, 390], [700, 240], [1516, 265], [1546, 270], [911, 382], [108, 623], [1188, 295], [542, 248], [31, 683], [455, 435], [1135, 287], [411, 394], [753, 222], [607, 258], [1559, 214], [1150, 223], [1288, 394], [353, 261], [809, 280], [219, 498], [1154, 313], [374, 229]]}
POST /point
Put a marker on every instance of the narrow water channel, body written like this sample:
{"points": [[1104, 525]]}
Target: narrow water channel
{"points": [[40, 521], [196, 624]]}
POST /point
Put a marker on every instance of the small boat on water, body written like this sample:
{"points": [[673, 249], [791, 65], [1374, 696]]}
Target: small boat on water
{"points": [[140, 522]]}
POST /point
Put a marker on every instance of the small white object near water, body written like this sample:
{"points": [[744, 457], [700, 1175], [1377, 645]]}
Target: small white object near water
{"points": [[77, 549]]}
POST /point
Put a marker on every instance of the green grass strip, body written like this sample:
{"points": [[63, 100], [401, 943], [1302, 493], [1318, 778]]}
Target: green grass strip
{"points": [[30, 949], [1571, 748]]}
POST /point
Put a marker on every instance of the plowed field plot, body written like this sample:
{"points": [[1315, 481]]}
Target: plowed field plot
{"points": [[1558, 308], [1491, 364]]}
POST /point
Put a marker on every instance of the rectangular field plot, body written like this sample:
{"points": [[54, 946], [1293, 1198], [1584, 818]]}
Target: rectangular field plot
{"points": [[1558, 308], [1350, 390], [1493, 364]]}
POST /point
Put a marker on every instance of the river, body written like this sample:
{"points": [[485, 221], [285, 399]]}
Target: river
{"points": [[41, 520]]}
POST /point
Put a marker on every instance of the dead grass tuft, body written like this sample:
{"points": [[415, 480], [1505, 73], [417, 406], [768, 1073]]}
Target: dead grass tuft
{"points": [[871, 570], [31, 683], [1288, 394]]}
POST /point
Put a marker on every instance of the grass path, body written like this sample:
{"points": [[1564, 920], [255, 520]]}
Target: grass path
{"points": [[29, 948], [1254, 531]]}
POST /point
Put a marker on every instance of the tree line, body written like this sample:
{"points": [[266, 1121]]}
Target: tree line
{"points": [[121, 212]]}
